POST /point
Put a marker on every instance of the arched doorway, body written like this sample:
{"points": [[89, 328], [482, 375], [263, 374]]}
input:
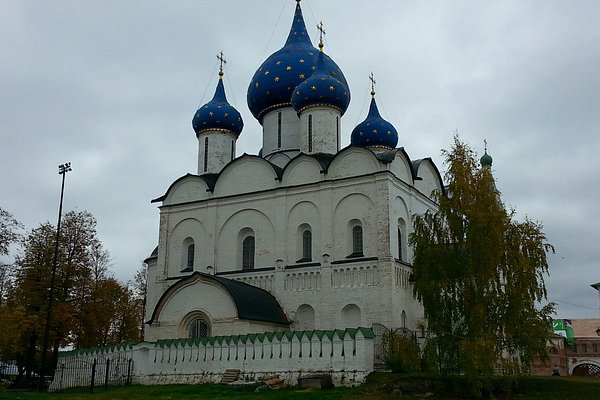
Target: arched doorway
{"points": [[587, 369]]}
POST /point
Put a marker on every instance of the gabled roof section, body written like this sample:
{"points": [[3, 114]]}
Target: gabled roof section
{"points": [[417, 164], [209, 179], [251, 302]]}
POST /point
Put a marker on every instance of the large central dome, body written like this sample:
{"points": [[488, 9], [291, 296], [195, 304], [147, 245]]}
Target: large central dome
{"points": [[273, 84]]}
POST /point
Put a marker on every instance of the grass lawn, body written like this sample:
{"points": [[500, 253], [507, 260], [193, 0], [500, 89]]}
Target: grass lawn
{"points": [[379, 386]]}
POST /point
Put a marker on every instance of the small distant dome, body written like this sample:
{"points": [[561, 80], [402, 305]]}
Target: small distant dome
{"points": [[321, 89], [218, 114], [486, 160], [374, 131], [274, 82]]}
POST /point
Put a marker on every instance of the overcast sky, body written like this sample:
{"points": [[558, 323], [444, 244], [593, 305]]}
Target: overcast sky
{"points": [[112, 86]]}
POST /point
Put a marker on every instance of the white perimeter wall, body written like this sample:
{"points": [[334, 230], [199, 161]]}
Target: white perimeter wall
{"points": [[347, 355]]}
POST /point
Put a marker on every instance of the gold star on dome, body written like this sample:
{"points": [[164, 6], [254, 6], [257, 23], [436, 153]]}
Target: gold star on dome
{"points": [[331, 88], [266, 72], [239, 119], [360, 133], [313, 88], [257, 85], [278, 62], [276, 79], [313, 67], [289, 67], [226, 115], [301, 61], [389, 133], [298, 92], [210, 113], [374, 130], [301, 76]]}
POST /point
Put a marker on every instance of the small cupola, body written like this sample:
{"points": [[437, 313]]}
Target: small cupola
{"points": [[217, 125], [374, 132], [218, 114]]}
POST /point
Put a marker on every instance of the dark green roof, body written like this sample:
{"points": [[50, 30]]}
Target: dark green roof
{"points": [[251, 302]]}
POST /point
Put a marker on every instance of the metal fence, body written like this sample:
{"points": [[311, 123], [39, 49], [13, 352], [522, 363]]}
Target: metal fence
{"points": [[101, 372]]}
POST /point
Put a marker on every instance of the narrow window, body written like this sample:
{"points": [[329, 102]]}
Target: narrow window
{"points": [[279, 130], [198, 329], [248, 253], [205, 154], [400, 256], [337, 133], [357, 240], [232, 149], [306, 245], [310, 133], [190, 257], [403, 317]]}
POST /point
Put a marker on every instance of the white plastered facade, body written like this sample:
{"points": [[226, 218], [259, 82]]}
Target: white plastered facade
{"points": [[326, 195]]}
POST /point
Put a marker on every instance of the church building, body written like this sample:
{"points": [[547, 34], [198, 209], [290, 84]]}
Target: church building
{"points": [[303, 236]]}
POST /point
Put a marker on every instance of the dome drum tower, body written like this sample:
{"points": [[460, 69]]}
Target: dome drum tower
{"points": [[217, 125]]}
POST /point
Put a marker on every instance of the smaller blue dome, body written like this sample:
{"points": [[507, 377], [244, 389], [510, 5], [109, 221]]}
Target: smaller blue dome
{"points": [[218, 114], [374, 131], [321, 88]]}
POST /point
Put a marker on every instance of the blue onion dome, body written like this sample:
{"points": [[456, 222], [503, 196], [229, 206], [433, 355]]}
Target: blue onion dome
{"points": [[274, 82], [321, 89], [374, 131], [218, 114]]}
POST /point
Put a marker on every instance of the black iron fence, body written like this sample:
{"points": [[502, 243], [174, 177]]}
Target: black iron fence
{"points": [[100, 372]]}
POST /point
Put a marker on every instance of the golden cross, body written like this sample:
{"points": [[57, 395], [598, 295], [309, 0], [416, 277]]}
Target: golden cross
{"points": [[321, 33], [372, 79], [222, 60], [485, 145]]}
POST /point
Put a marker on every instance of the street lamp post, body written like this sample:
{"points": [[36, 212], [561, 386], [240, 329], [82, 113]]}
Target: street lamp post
{"points": [[62, 170]]}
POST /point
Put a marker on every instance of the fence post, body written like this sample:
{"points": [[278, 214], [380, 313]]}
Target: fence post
{"points": [[93, 375], [107, 373]]}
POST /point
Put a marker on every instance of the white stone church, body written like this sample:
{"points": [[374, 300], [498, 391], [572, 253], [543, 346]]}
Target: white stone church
{"points": [[303, 236]]}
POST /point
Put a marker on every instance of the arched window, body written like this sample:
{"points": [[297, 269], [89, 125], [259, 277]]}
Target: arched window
{"points": [[403, 319], [306, 245], [198, 328], [190, 256], [402, 256], [357, 241], [248, 253]]}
